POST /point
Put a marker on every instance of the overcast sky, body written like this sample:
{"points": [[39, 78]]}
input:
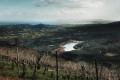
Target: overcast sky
{"points": [[58, 10]]}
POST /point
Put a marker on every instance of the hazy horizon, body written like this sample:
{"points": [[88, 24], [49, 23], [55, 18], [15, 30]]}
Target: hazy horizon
{"points": [[57, 23]]}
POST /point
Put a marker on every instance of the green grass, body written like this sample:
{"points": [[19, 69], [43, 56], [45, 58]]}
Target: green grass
{"points": [[7, 71]]}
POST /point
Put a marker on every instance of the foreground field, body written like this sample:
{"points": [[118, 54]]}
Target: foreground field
{"points": [[9, 73], [33, 67]]}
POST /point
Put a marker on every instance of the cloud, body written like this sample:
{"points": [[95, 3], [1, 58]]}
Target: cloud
{"points": [[81, 21], [4, 11], [3, 8], [69, 12], [69, 4], [93, 4]]}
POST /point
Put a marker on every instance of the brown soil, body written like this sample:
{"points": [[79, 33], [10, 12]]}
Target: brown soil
{"points": [[10, 78], [110, 54]]}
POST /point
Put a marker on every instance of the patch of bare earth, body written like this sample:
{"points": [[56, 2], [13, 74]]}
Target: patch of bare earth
{"points": [[10, 78], [110, 54]]}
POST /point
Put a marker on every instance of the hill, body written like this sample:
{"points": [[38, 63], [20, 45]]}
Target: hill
{"points": [[101, 43]]}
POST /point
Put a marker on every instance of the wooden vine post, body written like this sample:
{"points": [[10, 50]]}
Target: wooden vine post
{"points": [[34, 73], [56, 66], [96, 68], [16, 41]]}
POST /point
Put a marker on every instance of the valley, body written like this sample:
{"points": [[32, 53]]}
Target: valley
{"points": [[75, 44]]}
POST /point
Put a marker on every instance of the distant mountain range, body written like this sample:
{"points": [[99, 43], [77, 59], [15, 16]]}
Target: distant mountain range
{"points": [[94, 21]]}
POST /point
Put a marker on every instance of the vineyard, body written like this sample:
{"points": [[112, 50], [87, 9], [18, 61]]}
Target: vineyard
{"points": [[30, 64]]}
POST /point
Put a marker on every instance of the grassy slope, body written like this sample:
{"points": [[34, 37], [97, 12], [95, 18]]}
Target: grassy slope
{"points": [[7, 73], [65, 67]]}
